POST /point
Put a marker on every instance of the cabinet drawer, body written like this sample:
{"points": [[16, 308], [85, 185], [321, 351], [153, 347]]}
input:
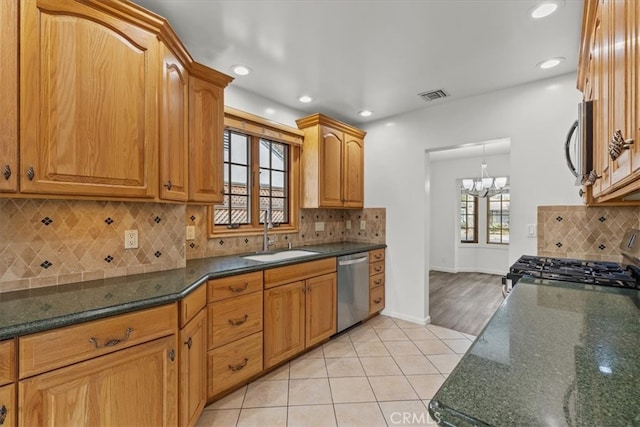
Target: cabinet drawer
{"points": [[376, 268], [233, 286], [7, 362], [376, 255], [376, 280], [48, 350], [233, 363], [376, 299], [192, 304], [293, 273], [234, 318], [8, 404]]}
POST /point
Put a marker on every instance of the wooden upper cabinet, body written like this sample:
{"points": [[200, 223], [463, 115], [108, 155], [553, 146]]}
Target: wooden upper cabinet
{"points": [[206, 124], [174, 121], [353, 171], [88, 110], [9, 98], [332, 163]]}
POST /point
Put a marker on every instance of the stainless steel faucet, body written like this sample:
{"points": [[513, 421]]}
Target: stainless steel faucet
{"points": [[267, 225]]}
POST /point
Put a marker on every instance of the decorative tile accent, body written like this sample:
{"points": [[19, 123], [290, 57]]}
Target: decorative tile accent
{"points": [[591, 233], [46, 220], [81, 236], [108, 258], [559, 245], [157, 220], [192, 245], [193, 218], [157, 254], [559, 218]]}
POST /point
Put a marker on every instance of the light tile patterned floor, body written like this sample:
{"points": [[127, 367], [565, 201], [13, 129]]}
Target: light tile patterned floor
{"points": [[381, 373]]}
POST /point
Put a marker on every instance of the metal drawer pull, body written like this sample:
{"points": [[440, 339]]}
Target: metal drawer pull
{"points": [[238, 322], [618, 144], [7, 172], [168, 185], [31, 173], [378, 256], [3, 414], [236, 290], [377, 300], [240, 366], [113, 342], [378, 282], [377, 269]]}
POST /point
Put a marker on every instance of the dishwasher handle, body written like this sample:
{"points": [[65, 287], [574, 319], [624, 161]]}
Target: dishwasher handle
{"points": [[353, 261]]}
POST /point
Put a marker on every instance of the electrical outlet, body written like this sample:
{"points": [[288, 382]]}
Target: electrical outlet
{"points": [[348, 224], [320, 226], [363, 224], [131, 239], [191, 232]]}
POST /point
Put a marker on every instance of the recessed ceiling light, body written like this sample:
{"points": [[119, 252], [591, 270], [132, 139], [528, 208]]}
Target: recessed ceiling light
{"points": [[365, 113], [305, 99], [543, 9], [550, 63], [241, 70]]}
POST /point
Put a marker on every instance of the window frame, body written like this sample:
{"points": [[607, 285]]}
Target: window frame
{"points": [[475, 218], [256, 129], [488, 222]]}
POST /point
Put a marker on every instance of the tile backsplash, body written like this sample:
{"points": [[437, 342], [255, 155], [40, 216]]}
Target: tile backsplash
{"points": [[335, 230], [582, 232], [52, 242]]}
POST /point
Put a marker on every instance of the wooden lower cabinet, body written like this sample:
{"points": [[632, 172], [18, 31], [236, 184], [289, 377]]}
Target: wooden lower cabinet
{"points": [[376, 299], [193, 369], [132, 387], [376, 281], [298, 315], [8, 407], [234, 363]]}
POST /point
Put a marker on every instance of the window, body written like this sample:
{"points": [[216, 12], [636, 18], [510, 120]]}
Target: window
{"points": [[498, 218], [468, 218], [260, 171]]}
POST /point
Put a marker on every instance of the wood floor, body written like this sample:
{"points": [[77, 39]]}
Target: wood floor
{"points": [[463, 301]]}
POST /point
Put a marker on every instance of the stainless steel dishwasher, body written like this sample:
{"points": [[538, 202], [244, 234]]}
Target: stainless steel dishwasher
{"points": [[353, 289]]}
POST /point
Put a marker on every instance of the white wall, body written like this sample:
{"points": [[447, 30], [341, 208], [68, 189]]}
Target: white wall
{"points": [[536, 118], [446, 251]]}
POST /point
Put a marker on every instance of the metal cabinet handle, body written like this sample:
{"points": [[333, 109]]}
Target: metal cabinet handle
{"points": [[377, 256], [240, 366], [377, 269], [377, 300], [168, 185], [31, 173], [188, 343], [240, 289], [618, 144], [113, 342], [378, 282], [3, 414], [238, 322], [172, 355], [6, 172], [591, 178]]}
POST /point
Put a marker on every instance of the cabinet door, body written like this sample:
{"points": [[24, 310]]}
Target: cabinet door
{"points": [[8, 406], [132, 387], [320, 308], [600, 85], [193, 370], [353, 172], [622, 113], [634, 25], [284, 322], [330, 167], [174, 120], [9, 98], [88, 114], [206, 124]]}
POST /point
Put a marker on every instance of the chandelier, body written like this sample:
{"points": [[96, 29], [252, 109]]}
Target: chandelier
{"points": [[484, 186]]}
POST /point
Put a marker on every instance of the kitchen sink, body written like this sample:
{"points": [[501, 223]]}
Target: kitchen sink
{"points": [[280, 256]]}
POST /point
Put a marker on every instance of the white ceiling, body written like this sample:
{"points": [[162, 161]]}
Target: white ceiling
{"points": [[352, 55]]}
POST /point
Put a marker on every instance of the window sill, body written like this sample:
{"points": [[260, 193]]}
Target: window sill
{"points": [[240, 232]]}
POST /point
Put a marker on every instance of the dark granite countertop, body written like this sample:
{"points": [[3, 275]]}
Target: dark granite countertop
{"points": [[35, 310], [553, 354]]}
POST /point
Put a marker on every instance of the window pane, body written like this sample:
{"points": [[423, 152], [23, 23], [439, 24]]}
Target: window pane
{"points": [[278, 182], [227, 137], [278, 156], [265, 179], [239, 148], [239, 175]]}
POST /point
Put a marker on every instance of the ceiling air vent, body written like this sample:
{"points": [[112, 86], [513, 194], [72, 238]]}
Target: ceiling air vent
{"points": [[432, 95]]}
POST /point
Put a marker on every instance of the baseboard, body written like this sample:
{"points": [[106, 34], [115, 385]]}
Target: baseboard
{"points": [[417, 320], [443, 269], [469, 270]]}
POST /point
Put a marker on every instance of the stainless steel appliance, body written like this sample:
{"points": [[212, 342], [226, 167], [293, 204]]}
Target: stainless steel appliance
{"points": [[353, 289], [578, 146], [625, 275]]}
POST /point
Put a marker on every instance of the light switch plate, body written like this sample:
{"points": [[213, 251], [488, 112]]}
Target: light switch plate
{"points": [[319, 226], [348, 224], [363, 224], [191, 232], [131, 239], [531, 230]]}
